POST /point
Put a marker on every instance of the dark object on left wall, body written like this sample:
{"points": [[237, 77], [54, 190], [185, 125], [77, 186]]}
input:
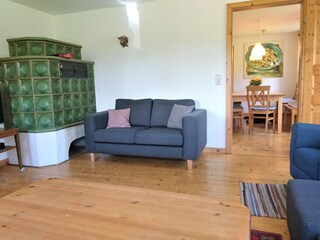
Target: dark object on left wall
{"points": [[1, 111], [124, 41], [2, 146]]}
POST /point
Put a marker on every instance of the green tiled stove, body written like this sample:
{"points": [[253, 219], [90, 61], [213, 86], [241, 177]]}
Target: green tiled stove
{"points": [[45, 93], [46, 96]]}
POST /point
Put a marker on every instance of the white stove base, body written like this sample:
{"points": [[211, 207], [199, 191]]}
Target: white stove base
{"points": [[48, 148]]}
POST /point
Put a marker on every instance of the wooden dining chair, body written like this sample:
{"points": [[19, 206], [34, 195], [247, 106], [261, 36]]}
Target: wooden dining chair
{"points": [[238, 114], [291, 108], [259, 106]]}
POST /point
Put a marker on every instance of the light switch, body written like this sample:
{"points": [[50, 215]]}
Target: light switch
{"points": [[218, 79]]}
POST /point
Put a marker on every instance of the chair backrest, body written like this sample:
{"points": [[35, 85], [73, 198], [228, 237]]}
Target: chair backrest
{"points": [[296, 92], [258, 97]]}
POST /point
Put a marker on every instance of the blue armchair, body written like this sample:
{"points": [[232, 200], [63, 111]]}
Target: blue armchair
{"points": [[303, 206], [305, 151]]}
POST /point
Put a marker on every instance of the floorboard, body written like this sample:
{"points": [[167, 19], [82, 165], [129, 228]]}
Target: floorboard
{"points": [[261, 158]]}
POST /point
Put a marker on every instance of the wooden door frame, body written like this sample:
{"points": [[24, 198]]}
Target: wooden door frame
{"points": [[242, 6]]}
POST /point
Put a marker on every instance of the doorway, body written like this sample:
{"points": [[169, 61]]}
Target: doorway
{"points": [[231, 10]]}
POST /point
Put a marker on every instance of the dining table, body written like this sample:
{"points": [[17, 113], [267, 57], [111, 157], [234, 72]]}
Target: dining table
{"points": [[273, 96]]}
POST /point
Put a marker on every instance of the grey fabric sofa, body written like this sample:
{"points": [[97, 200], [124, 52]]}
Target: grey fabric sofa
{"points": [[148, 135]]}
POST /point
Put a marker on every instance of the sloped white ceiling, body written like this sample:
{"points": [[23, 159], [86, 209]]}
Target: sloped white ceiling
{"points": [[274, 20], [58, 7]]}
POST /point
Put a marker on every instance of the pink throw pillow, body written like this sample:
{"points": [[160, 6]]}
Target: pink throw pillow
{"points": [[118, 118]]}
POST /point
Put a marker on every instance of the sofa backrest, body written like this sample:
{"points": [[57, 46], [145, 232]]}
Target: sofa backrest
{"points": [[140, 113], [161, 110]]}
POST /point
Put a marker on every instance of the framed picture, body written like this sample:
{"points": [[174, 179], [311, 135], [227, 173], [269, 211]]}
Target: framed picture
{"points": [[270, 66]]}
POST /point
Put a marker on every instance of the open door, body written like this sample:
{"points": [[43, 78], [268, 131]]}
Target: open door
{"points": [[308, 7], [309, 88]]}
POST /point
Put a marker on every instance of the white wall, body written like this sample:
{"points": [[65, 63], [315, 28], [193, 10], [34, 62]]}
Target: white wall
{"points": [[19, 21], [182, 48], [285, 84]]}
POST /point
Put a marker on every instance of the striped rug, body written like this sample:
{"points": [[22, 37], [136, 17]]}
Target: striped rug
{"points": [[264, 200]]}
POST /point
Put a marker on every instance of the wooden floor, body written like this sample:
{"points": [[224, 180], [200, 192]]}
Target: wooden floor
{"points": [[261, 158]]}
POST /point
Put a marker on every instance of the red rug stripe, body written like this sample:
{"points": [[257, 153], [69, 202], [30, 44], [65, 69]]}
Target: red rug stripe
{"points": [[261, 235]]}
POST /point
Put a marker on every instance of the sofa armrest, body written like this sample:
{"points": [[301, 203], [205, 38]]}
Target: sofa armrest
{"points": [[92, 122], [194, 129], [303, 135]]}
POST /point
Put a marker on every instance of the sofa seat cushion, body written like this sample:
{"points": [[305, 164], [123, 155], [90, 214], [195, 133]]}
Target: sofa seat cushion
{"points": [[308, 161], [117, 135], [160, 136]]}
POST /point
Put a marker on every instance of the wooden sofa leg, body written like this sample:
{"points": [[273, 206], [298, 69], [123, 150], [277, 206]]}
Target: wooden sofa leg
{"points": [[189, 163], [92, 157]]}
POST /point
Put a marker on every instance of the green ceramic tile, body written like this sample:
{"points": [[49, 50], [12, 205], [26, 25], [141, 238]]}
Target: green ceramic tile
{"points": [[16, 120], [43, 103], [6, 104], [91, 85], [26, 87], [7, 117], [14, 87], [1, 71], [11, 70], [60, 48], [12, 50], [5, 90], [57, 102], [36, 48], [56, 85], [68, 116], [75, 85], [28, 121], [21, 49], [44, 121], [83, 85], [85, 111], [76, 100], [92, 109], [90, 71], [58, 118], [69, 50], [84, 99], [40, 68], [42, 86], [27, 104], [91, 99], [67, 101], [15, 104], [77, 53], [50, 48], [24, 69], [54, 69], [66, 86], [78, 115]]}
